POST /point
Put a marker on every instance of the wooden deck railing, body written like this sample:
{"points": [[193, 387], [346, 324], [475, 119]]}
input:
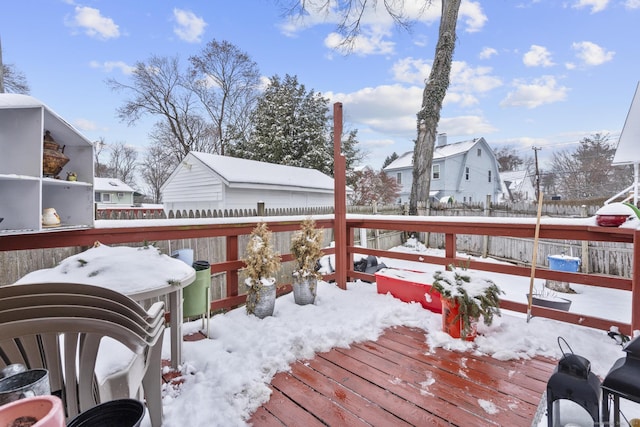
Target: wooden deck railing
{"points": [[137, 231]]}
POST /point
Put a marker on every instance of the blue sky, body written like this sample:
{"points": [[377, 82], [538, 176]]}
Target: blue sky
{"points": [[526, 73]]}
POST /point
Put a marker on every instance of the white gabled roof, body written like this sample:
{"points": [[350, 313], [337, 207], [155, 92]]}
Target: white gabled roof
{"points": [[57, 126], [440, 152], [112, 185], [627, 151], [514, 177], [402, 162], [242, 172]]}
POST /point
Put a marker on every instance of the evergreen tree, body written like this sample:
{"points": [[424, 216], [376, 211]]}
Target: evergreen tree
{"points": [[390, 159], [292, 126]]}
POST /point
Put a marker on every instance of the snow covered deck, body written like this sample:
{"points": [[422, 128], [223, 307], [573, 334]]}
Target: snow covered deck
{"points": [[397, 381]]}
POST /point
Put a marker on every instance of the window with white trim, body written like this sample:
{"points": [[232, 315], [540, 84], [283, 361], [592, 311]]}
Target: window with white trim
{"points": [[435, 172]]}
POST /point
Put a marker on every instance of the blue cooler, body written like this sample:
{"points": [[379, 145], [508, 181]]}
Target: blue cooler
{"points": [[564, 263]]}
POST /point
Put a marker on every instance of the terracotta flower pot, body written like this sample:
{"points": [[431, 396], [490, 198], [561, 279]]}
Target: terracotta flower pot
{"points": [[47, 410], [453, 326]]}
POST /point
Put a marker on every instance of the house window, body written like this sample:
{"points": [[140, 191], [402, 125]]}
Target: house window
{"points": [[399, 178], [106, 197], [96, 196], [435, 172], [466, 173], [479, 152], [489, 176]]}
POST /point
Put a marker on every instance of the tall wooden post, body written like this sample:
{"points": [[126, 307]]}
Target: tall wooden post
{"points": [[635, 284], [340, 198]]}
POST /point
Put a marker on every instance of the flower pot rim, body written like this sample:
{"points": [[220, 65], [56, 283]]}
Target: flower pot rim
{"points": [[548, 298]]}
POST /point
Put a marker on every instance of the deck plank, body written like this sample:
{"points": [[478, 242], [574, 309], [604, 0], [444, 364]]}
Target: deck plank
{"points": [[397, 381]]}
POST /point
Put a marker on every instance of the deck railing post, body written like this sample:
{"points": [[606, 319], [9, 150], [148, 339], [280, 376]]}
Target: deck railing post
{"points": [[340, 198], [635, 283], [450, 246], [232, 275]]}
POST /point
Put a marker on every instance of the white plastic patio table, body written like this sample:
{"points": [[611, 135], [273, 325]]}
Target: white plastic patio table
{"points": [[174, 291], [136, 272]]}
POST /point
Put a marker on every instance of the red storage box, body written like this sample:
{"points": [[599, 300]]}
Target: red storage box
{"points": [[409, 286]]}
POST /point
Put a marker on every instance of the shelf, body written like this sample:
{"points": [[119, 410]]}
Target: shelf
{"points": [[53, 181], [14, 177], [24, 191]]}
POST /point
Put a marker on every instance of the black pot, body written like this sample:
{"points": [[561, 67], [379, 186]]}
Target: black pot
{"points": [[556, 303], [115, 413]]}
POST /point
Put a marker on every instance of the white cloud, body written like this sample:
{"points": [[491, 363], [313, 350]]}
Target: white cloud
{"points": [[595, 5], [190, 27], [360, 45], [487, 52], [465, 82], [411, 70], [93, 23], [471, 14], [544, 90], [389, 109], [85, 125], [109, 66], [632, 4], [537, 56], [591, 54], [376, 24], [465, 125]]}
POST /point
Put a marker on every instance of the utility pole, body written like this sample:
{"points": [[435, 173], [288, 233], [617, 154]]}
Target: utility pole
{"points": [[535, 150]]}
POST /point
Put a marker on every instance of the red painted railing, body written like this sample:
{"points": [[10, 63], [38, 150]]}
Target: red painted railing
{"points": [[138, 231]]}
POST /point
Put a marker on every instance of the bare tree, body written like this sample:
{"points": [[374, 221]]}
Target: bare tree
{"points": [[508, 159], [12, 80], [586, 172], [435, 86], [100, 168], [123, 163], [201, 137], [156, 168], [374, 187], [225, 79], [158, 88]]}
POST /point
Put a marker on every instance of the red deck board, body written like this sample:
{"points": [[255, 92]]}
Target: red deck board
{"points": [[393, 374], [398, 381]]}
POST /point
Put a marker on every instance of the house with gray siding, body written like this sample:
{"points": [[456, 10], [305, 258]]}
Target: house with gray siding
{"points": [[204, 181], [464, 172]]}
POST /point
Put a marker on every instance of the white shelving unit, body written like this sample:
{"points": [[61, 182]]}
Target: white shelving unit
{"points": [[24, 191]]}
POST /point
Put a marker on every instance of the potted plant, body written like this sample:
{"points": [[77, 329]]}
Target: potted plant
{"points": [[262, 264], [306, 247], [465, 298]]}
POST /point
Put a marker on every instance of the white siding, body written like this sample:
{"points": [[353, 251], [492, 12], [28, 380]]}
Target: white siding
{"points": [[192, 184], [249, 198], [195, 185]]}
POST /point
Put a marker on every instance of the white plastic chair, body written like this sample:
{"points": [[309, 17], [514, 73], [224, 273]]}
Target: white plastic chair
{"points": [[33, 317]]}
